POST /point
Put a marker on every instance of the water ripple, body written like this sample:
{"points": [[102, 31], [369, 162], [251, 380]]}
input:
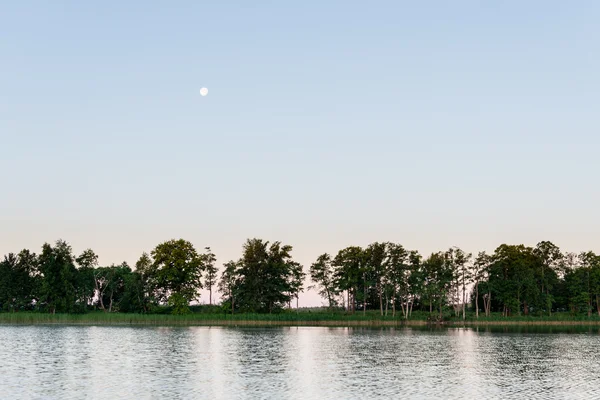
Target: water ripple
{"points": [[68, 362]]}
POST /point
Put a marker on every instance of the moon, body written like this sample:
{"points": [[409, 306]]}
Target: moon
{"points": [[203, 91]]}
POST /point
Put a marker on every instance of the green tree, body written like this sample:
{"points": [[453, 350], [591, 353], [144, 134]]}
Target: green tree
{"points": [[228, 283], [111, 285], [549, 258], [589, 287], [322, 274], [18, 281], [512, 278], [397, 272], [439, 276], [376, 255], [87, 261], [58, 272], [265, 276], [177, 273], [458, 262], [210, 278], [349, 266], [480, 272], [145, 287], [296, 282]]}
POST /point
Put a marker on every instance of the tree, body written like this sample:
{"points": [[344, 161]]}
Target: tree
{"points": [[177, 272], [589, 271], [512, 278], [480, 270], [57, 268], [228, 283], [458, 263], [18, 281], [438, 280], [85, 281], [144, 267], [322, 273], [111, 286], [296, 282], [210, 270], [375, 265], [397, 277], [264, 276], [549, 257], [349, 266]]}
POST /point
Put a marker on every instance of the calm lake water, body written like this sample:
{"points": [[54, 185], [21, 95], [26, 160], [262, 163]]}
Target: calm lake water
{"points": [[62, 362]]}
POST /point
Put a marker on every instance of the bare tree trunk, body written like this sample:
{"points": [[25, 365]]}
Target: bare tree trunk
{"points": [[411, 305], [463, 297], [402, 306], [348, 294], [365, 299], [476, 300], [387, 302], [380, 300], [394, 301], [100, 296], [210, 295]]}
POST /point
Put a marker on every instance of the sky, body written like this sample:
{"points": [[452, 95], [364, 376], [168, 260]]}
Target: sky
{"points": [[327, 124]]}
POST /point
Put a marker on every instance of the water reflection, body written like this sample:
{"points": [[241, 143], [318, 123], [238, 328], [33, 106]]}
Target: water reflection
{"points": [[298, 362]]}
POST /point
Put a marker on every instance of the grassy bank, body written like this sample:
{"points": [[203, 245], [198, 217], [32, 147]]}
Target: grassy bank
{"points": [[302, 318], [206, 319]]}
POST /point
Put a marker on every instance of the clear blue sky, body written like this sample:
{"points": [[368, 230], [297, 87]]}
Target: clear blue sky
{"points": [[327, 124]]}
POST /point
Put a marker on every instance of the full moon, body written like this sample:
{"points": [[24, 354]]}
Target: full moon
{"points": [[204, 91]]}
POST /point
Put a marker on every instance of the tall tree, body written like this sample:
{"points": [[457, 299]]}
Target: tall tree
{"points": [[265, 272], [228, 283], [177, 271], [349, 266], [438, 281], [18, 281], [458, 262], [210, 270], [144, 267], [512, 278], [398, 274], [296, 282], [376, 255], [57, 268], [111, 286], [480, 270], [322, 274], [87, 261], [549, 257]]}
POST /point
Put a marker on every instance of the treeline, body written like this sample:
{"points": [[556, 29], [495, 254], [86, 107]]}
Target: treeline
{"points": [[387, 277], [265, 279], [514, 280]]}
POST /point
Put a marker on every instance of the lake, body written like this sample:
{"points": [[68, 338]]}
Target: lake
{"points": [[77, 362]]}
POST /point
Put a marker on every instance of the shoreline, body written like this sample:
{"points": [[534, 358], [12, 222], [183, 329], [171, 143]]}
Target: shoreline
{"points": [[162, 320]]}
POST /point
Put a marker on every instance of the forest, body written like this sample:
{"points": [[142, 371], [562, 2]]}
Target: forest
{"points": [[383, 278]]}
